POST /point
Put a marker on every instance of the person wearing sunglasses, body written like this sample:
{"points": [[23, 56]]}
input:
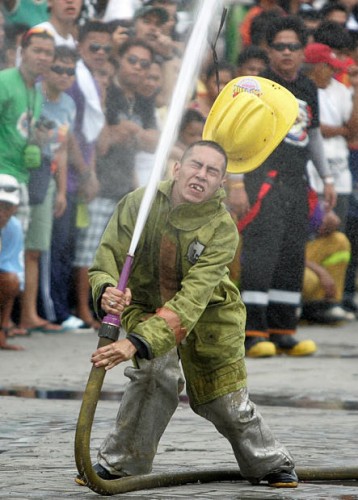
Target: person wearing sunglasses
{"points": [[130, 128], [11, 260], [47, 186], [274, 210], [94, 46]]}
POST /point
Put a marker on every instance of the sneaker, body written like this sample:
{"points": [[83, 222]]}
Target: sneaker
{"points": [[287, 344], [72, 323], [324, 313], [337, 313], [100, 471], [350, 316], [282, 479], [259, 347], [349, 305]]}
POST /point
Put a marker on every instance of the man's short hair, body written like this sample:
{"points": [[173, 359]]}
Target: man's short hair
{"points": [[330, 7], [334, 35], [93, 26], [134, 42], [203, 143], [220, 66], [252, 52], [191, 115], [36, 31], [65, 54]]}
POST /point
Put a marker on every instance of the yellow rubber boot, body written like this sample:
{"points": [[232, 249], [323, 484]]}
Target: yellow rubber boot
{"points": [[259, 347], [287, 344]]}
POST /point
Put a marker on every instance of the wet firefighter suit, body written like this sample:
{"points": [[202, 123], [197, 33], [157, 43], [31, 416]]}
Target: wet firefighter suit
{"points": [[183, 303]]}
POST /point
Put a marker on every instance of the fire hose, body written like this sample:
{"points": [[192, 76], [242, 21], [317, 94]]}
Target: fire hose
{"points": [[149, 481], [109, 330]]}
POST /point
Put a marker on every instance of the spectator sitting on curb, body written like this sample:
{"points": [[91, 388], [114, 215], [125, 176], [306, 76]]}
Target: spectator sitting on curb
{"points": [[327, 258], [11, 255]]}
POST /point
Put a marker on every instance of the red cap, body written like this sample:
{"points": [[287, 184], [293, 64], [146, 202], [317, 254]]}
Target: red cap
{"points": [[321, 53]]}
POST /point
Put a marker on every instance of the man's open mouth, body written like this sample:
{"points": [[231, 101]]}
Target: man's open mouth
{"points": [[197, 187]]}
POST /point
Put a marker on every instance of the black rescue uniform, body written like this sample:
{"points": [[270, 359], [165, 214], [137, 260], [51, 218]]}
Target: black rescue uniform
{"points": [[274, 234]]}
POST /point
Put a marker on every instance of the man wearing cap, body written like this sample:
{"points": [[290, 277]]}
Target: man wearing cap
{"points": [[180, 302], [338, 119], [11, 254], [148, 24], [274, 210], [169, 28], [339, 124]]}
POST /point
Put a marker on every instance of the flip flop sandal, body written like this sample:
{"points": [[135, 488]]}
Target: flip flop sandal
{"points": [[16, 331], [47, 328]]}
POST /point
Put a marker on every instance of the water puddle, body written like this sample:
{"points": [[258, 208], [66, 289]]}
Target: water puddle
{"points": [[259, 399]]}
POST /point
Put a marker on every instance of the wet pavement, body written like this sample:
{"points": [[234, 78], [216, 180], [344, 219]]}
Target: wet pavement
{"points": [[310, 403]]}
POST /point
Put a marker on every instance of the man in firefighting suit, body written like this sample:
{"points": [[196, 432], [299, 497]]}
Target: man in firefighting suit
{"points": [[180, 300]]}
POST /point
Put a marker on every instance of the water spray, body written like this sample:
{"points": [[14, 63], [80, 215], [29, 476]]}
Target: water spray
{"points": [[109, 330]]}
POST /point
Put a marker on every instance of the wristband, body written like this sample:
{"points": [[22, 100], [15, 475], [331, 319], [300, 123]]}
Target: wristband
{"points": [[329, 180]]}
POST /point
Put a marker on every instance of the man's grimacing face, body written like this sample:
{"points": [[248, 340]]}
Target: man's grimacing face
{"points": [[199, 176]]}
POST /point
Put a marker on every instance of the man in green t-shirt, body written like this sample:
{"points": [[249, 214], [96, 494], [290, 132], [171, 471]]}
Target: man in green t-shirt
{"points": [[20, 109]]}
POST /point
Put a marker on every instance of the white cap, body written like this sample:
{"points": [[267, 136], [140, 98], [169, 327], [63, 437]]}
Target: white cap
{"points": [[9, 189]]}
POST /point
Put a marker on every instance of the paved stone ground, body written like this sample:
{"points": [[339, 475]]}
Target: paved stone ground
{"points": [[310, 403]]}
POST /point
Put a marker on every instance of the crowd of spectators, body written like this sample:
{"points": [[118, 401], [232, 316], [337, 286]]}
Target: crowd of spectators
{"points": [[84, 90]]}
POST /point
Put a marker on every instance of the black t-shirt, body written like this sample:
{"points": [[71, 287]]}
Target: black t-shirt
{"points": [[291, 156], [115, 169]]}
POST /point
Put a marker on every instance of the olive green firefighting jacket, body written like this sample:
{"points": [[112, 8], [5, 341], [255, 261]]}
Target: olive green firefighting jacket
{"points": [[180, 263]]}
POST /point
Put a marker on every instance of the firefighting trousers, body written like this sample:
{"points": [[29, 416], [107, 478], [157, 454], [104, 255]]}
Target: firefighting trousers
{"points": [[149, 402], [272, 259]]}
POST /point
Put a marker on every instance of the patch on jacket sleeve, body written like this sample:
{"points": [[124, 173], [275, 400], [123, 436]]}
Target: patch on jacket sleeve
{"points": [[195, 249]]}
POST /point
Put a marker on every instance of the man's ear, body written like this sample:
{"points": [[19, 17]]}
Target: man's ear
{"points": [[223, 182], [176, 169]]}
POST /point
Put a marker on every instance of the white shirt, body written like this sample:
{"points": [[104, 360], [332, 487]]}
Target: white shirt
{"points": [[59, 39], [335, 108]]}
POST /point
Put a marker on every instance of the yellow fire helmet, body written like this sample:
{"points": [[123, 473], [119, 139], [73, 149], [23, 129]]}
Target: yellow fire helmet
{"points": [[249, 119]]}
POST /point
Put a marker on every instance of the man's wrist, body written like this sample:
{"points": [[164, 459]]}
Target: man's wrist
{"points": [[143, 349]]}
